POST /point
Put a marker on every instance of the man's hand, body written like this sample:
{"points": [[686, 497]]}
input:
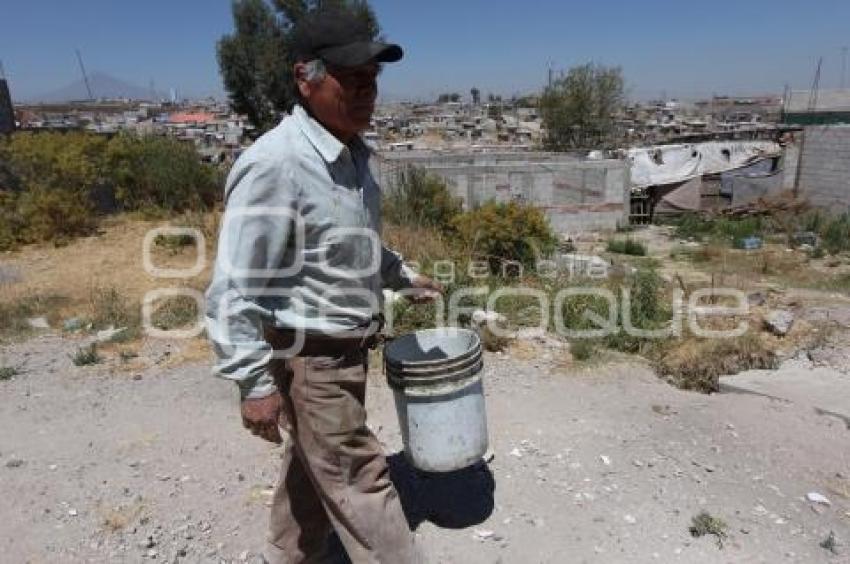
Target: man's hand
{"points": [[261, 416], [427, 289]]}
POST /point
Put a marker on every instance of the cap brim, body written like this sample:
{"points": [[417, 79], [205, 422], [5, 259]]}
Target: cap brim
{"points": [[361, 53]]}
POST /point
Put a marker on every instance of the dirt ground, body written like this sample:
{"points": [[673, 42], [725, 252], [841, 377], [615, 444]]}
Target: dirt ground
{"points": [[591, 464], [145, 460]]}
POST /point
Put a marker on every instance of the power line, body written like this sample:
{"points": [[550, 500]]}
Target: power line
{"points": [[813, 95], [85, 76]]}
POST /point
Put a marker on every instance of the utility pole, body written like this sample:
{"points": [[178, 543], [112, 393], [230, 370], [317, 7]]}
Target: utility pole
{"points": [[85, 76]]}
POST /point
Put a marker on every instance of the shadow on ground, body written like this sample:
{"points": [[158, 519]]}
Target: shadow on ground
{"points": [[450, 500]]}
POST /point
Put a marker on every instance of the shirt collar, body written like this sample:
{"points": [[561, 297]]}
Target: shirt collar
{"points": [[323, 140]]}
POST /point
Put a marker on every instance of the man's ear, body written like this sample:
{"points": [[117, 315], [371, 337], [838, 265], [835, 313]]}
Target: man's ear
{"points": [[299, 71]]}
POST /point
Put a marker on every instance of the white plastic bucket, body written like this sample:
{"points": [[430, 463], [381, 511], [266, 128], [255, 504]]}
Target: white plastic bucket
{"points": [[439, 396]]}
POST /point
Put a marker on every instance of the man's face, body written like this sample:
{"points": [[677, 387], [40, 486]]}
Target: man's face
{"points": [[344, 100]]}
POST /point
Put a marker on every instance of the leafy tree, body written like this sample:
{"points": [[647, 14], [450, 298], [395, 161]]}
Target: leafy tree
{"points": [[255, 60], [578, 110]]}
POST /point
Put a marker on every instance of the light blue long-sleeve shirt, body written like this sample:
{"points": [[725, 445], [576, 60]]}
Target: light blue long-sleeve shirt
{"points": [[299, 248]]}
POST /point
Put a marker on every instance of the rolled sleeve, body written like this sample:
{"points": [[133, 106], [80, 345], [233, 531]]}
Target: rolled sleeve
{"points": [[395, 274]]}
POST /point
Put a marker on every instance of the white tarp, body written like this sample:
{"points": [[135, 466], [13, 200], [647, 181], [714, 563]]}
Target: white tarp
{"points": [[669, 164]]}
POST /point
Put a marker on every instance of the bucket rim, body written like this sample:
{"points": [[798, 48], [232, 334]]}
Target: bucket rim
{"points": [[471, 373], [426, 372], [476, 347]]}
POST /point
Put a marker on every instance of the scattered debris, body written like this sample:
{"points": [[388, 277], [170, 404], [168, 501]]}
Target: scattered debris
{"points": [[38, 323], [482, 534], [818, 498], [806, 238], [14, 463], [73, 324], [109, 334], [749, 243], [779, 322], [704, 524], [756, 299], [605, 460]]}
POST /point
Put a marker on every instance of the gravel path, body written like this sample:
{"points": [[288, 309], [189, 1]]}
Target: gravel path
{"points": [[599, 464]]}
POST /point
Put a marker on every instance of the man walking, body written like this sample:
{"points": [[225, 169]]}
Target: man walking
{"points": [[294, 304]]}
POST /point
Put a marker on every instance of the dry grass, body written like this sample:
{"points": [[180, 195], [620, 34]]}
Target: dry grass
{"points": [[15, 312], [101, 278], [697, 364], [119, 518], [420, 244]]}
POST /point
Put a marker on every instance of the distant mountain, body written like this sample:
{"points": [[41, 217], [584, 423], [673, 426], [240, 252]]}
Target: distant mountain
{"points": [[102, 86]]}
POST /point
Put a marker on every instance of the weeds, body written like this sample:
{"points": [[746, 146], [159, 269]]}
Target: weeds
{"points": [[838, 284], [421, 199], [86, 356], [700, 228], [697, 364], [127, 355], [14, 315], [627, 247], [174, 243], [829, 543], [582, 349], [175, 312], [110, 309], [704, 524], [8, 372]]}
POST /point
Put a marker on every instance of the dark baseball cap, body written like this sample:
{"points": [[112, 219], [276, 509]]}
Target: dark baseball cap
{"points": [[341, 38]]}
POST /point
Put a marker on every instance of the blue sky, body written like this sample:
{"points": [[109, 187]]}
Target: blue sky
{"points": [[682, 48]]}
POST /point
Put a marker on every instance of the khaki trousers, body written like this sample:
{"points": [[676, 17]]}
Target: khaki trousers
{"points": [[334, 473]]}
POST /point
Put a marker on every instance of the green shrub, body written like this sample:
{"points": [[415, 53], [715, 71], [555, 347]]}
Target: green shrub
{"points": [[54, 185], [8, 372], [627, 247], [835, 233], [86, 356], [499, 233], [583, 349], [421, 199], [160, 173], [53, 177]]}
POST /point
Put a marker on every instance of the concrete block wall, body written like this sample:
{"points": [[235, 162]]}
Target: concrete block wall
{"points": [[577, 195], [824, 176]]}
